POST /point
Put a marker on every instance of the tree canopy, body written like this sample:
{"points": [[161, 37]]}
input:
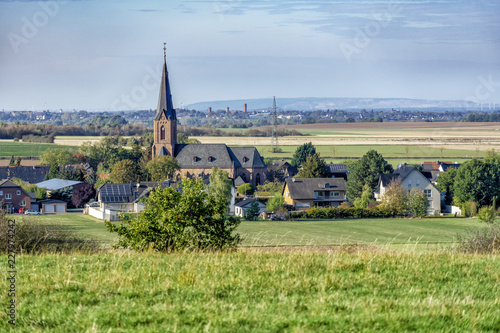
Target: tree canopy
{"points": [[220, 184], [366, 171], [124, 171], [301, 154], [313, 167], [477, 181], [162, 168]]}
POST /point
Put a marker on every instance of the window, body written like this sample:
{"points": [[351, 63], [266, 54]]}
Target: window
{"points": [[162, 133], [8, 196], [409, 184], [418, 182], [23, 203], [428, 193], [336, 194], [1, 192], [18, 192]]}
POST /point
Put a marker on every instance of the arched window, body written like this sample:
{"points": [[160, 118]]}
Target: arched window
{"points": [[257, 179], [162, 133]]}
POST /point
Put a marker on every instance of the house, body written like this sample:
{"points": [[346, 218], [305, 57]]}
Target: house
{"points": [[281, 170], [431, 170], [240, 209], [13, 198], [410, 177], [29, 174], [304, 193], [197, 160], [113, 199]]}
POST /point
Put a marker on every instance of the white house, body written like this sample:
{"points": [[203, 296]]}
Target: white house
{"points": [[240, 209], [410, 177]]}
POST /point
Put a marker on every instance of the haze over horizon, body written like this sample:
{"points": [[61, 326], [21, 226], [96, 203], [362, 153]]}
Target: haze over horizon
{"points": [[92, 55]]}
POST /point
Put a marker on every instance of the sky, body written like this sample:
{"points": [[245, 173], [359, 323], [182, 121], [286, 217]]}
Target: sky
{"points": [[107, 55]]}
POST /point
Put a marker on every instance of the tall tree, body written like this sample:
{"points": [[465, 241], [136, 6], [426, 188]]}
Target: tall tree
{"points": [[162, 168], [445, 182], [313, 167], [418, 202], [366, 171], [57, 156], [477, 181], [396, 197], [82, 194], [220, 184], [365, 199], [124, 171], [301, 154]]}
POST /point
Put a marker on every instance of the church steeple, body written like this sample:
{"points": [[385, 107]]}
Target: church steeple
{"points": [[165, 122], [165, 105]]}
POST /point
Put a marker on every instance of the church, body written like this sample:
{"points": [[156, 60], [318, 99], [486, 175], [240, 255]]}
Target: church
{"points": [[243, 164]]}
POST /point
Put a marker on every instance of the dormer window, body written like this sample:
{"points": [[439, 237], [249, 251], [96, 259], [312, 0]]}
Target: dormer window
{"points": [[210, 158], [195, 159], [245, 159]]}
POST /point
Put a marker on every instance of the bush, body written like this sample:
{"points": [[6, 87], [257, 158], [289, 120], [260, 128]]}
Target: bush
{"points": [[246, 189], [191, 219], [483, 240], [487, 214], [32, 237]]}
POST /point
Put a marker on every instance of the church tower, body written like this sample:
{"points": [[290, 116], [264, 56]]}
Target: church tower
{"points": [[165, 122]]}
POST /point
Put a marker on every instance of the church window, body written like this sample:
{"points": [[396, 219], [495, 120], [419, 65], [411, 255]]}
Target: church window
{"points": [[257, 179], [162, 133]]}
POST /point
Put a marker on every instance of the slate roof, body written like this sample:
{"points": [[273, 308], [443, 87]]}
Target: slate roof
{"points": [[8, 183], [337, 167], [238, 181], [203, 156], [57, 184], [246, 157], [304, 188], [49, 201], [400, 173], [30, 174], [165, 105], [247, 201]]}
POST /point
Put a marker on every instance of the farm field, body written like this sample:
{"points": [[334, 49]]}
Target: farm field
{"points": [[10, 148], [333, 290]]}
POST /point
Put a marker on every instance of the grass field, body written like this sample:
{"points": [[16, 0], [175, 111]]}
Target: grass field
{"points": [[338, 290], [26, 149], [383, 232]]}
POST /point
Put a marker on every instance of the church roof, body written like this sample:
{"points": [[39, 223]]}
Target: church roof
{"points": [[218, 155], [165, 105]]}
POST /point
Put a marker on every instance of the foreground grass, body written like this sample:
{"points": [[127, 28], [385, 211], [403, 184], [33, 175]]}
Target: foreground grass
{"points": [[252, 291]]}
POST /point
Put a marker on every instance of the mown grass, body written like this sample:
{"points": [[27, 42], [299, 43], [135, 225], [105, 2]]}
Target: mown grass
{"points": [[252, 291], [24, 149]]}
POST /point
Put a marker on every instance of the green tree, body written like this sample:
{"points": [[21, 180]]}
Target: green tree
{"points": [[365, 199], [487, 214], [445, 182], [301, 154], [253, 211], [162, 168], [12, 161], [313, 167], [477, 181], [124, 171], [396, 197], [56, 156], [182, 138], [220, 185], [366, 171], [275, 203], [191, 219], [418, 202]]}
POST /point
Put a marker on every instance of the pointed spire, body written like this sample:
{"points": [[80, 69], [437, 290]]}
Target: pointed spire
{"points": [[165, 105]]}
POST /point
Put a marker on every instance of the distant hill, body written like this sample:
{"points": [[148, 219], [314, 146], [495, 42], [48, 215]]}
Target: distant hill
{"points": [[324, 103]]}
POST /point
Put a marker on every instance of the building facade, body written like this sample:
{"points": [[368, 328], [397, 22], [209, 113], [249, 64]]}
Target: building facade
{"points": [[13, 198], [305, 193]]}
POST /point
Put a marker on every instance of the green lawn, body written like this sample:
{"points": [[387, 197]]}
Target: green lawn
{"points": [[25, 149], [310, 232]]}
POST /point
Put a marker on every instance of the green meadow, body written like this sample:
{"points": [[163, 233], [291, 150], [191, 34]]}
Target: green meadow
{"points": [[26, 149]]}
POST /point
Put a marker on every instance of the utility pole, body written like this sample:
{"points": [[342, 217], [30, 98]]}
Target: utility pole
{"points": [[274, 139]]}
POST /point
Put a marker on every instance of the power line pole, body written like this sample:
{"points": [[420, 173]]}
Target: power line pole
{"points": [[274, 138]]}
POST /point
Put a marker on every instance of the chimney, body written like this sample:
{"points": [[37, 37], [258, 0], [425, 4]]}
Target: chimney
{"points": [[209, 110], [245, 107], [227, 109]]}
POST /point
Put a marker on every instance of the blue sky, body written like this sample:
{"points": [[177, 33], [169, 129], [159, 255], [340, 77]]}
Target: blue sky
{"points": [[106, 55]]}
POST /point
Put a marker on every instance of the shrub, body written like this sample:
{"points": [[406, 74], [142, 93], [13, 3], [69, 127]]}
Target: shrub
{"points": [[33, 237], [487, 214], [469, 208], [483, 240], [246, 189]]}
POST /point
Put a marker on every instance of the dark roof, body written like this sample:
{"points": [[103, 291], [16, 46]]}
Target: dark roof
{"points": [[238, 181], [30, 174], [165, 105], [203, 156], [337, 167], [304, 188], [8, 183], [163, 152], [246, 157], [122, 193], [245, 202], [52, 201]]}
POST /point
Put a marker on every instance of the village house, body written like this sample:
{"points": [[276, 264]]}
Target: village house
{"points": [[410, 178], [13, 198], [304, 193], [240, 209]]}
